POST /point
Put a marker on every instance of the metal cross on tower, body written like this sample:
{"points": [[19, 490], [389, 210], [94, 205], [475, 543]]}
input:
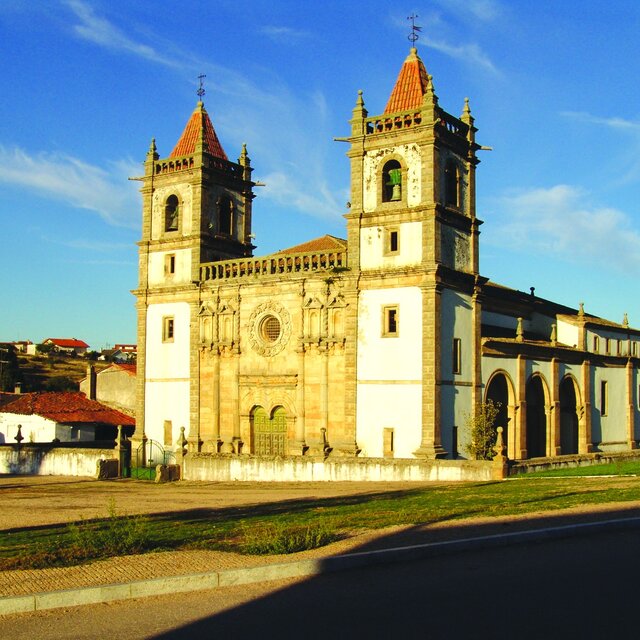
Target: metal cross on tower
{"points": [[201, 90], [415, 29]]}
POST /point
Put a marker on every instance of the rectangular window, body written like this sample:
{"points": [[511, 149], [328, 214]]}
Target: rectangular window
{"points": [[634, 349], [603, 397], [392, 242], [607, 346], [619, 347], [167, 329], [596, 344], [170, 264], [457, 355], [387, 443], [390, 322]]}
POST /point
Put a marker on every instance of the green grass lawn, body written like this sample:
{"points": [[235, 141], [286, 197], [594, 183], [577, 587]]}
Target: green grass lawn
{"points": [[281, 527], [624, 467]]}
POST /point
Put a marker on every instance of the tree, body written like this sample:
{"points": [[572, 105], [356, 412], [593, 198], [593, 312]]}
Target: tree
{"points": [[9, 369], [483, 431]]}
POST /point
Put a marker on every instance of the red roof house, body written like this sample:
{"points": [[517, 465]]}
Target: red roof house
{"points": [[66, 416], [69, 345]]}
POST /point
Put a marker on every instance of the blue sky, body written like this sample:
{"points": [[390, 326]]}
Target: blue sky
{"points": [[87, 83]]}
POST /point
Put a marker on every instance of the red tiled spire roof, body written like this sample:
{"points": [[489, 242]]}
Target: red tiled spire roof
{"points": [[410, 86], [199, 121]]}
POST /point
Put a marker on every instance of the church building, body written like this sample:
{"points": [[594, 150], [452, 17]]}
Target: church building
{"points": [[380, 345]]}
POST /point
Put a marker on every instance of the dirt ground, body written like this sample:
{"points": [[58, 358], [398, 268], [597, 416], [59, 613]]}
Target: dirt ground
{"points": [[29, 501]]}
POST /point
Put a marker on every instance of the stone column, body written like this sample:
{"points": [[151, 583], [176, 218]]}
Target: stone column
{"points": [[521, 403], [553, 437], [584, 425], [631, 427]]}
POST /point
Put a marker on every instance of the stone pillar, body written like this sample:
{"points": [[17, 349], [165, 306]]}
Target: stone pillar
{"points": [[631, 427], [300, 443], [584, 424], [553, 436], [431, 442], [521, 403]]}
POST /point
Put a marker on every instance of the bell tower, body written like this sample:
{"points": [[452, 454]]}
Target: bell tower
{"points": [[196, 209], [413, 242]]}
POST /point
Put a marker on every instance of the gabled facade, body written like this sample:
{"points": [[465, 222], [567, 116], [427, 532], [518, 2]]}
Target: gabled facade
{"points": [[379, 345]]}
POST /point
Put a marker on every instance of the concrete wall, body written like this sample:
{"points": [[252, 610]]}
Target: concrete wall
{"points": [[211, 468], [51, 461]]}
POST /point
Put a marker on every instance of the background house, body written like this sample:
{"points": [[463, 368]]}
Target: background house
{"points": [[68, 345], [66, 416]]}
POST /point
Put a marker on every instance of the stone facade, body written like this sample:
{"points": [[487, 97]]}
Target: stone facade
{"points": [[377, 346]]}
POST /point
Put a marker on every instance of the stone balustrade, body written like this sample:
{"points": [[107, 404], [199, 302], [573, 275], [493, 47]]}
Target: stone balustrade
{"points": [[273, 265]]}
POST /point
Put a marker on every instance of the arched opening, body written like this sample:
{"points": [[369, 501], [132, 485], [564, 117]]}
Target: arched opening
{"points": [[269, 434], [172, 213], [451, 184], [568, 417], [498, 393], [392, 182], [225, 215], [536, 419]]}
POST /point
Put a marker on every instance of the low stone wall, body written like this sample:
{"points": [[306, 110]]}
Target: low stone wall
{"points": [[564, 462], [219, 468], [48, 460]]}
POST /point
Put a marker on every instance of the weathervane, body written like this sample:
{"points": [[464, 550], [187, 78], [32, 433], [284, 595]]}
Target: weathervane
{"points": [[201, 90], [415, 29]]}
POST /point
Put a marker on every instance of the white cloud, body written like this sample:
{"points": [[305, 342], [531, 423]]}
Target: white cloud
{"points": [[621, 124], [71, 180], [563, 221], [100, 31], [246, 112], [470, 53], [284, 34]]}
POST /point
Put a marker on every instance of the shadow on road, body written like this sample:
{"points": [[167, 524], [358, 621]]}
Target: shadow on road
{"points": [[578, 586]]}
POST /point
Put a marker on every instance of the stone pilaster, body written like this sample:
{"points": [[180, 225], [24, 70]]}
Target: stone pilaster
{"points": [[584, 425]]}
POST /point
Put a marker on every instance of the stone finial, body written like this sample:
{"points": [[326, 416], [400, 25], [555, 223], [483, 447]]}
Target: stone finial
{"points": [[19, 437], [182, 442], [519, 331], [554, 334], [581, 309], [625, 320], [244, 158], [359, 110], [466, 116]]}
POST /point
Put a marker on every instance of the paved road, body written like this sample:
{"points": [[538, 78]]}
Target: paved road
{"points": [[574, 588]]}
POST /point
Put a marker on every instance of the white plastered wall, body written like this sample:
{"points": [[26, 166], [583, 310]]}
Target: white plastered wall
{"points": [[455, 394], [373, 243], [167, 372], [389, 372], [157, 267]]}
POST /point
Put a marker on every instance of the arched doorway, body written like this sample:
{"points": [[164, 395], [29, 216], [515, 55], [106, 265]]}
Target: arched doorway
{"points": [[269, 433], [536, 419], [568, 417], [498, 393]]}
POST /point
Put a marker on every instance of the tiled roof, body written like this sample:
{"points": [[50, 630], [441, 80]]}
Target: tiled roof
{"points": [[187, 143], [67, 407], [131, 369], [324, 243], [68, 343], [410, 86]]}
